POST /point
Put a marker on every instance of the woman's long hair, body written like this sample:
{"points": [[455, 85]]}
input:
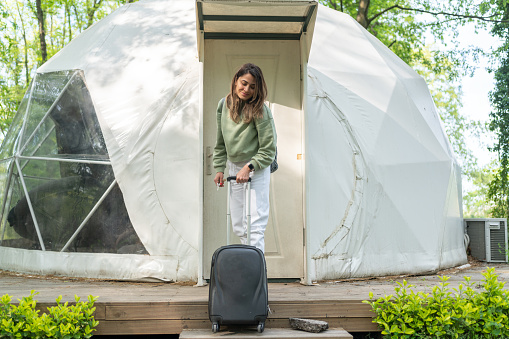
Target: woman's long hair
{"points": [[253, 108]]}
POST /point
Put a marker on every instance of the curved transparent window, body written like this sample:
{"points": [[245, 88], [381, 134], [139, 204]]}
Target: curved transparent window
{"points": [[57, 186]]}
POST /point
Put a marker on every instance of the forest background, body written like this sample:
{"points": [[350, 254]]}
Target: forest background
{"points": [[424, 33]]}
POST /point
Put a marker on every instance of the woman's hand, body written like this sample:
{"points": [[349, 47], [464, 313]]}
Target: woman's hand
{"points": [[219, 179], [243, 175]]}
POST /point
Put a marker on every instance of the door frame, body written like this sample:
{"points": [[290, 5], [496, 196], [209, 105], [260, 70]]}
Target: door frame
{"points": [[305, 40]]}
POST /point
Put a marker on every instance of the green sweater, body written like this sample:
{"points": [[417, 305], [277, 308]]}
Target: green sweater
{"points": [[254, 142]]}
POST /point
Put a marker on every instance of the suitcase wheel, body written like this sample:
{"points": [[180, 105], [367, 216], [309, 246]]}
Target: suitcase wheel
{"points": [[261, 327], [215, 327]]}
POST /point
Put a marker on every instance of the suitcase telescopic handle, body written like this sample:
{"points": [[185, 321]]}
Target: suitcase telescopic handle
{"points": [[235, 179], [248, 210]]}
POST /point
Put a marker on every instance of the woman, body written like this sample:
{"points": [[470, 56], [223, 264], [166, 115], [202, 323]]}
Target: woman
{"points": [[246, 144]]}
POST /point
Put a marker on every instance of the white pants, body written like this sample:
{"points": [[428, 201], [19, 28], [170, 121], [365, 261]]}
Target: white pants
{"points": [[260, 184]]}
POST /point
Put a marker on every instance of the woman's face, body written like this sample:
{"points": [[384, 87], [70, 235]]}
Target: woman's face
{"points": [[245, 87]]}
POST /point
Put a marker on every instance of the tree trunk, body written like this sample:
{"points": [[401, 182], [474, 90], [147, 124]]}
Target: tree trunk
{"points": [[64, 33], [42, 30], [362, 13], [68, 12], [91, 12], [78, 18], [25, 47]]}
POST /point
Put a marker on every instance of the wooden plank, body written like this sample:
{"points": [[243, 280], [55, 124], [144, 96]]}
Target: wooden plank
{"points": [[349, 324], [162, 311], [269, 333], [205, 302], [331, 309], [98, 314], [137, 327], [344, 290], [140, 311], [354, 324], [172, 318]]}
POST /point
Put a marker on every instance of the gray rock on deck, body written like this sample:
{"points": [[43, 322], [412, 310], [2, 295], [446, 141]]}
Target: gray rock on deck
{"points": [[308, 325]]}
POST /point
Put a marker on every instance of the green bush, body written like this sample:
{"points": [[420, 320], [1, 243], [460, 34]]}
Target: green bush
{"points": [[62, 321], [464, 313]]}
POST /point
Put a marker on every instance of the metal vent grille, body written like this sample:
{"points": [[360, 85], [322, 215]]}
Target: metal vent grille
{"points": [[488, 239], [497, 243], [475, 230]]}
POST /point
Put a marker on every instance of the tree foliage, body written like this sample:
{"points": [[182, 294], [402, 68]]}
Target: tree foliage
{"points": [[407, 26], [403, 25], [31, 32], [476, 201], [447, 97], [499, 117]]}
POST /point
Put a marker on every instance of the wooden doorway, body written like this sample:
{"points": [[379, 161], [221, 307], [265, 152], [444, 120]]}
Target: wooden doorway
{"points": [[281, 64]]}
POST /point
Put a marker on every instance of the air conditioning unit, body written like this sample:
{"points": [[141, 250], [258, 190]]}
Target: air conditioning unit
{"points": [[488, 239]]}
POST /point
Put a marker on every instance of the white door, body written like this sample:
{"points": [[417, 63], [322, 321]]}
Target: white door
{"points": [[280, 63]]}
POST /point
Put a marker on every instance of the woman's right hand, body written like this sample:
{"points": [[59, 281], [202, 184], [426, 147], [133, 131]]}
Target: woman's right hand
{"points": [[219, 179]]}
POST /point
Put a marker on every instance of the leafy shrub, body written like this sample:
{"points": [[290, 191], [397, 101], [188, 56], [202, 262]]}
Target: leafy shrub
{"points": [[464, 313], [61, 321]]}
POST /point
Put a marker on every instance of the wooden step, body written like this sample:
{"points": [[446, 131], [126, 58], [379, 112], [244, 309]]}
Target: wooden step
{"points": [[275, 333]]}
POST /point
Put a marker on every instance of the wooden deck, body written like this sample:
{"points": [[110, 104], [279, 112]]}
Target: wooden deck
{"points": [[166, 308]]}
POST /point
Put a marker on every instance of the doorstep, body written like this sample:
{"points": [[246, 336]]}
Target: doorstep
{"points": [[275, 333]]}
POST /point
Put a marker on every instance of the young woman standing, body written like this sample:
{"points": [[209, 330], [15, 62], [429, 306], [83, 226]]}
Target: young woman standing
{"points": [[246, 144]]}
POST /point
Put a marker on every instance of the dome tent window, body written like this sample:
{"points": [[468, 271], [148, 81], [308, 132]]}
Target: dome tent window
{"points": [[58, 188]]}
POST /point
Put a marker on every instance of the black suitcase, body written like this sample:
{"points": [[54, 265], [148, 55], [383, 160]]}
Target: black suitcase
{"points": [[238, 290]]}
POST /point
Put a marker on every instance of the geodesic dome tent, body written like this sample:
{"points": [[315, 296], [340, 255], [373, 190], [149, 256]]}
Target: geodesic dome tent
{"points": [[105, 171]]}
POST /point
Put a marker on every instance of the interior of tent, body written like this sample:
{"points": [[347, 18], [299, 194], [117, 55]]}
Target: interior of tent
{"points": [[61, 173]]}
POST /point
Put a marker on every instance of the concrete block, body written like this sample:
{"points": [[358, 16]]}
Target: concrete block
{"points": [[269, 333]]}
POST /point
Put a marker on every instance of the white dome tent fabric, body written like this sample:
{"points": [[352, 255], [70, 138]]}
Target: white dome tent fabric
{"points": [[380, 188], [401, 205]]}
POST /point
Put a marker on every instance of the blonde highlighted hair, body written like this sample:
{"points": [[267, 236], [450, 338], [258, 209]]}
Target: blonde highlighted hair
{"points": [[252, 108]]}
